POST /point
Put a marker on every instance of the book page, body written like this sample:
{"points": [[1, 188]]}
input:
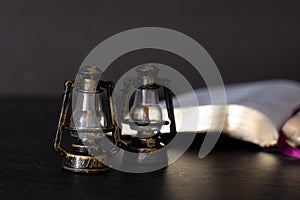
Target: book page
{"points": [[291, 130], [276, 99]]}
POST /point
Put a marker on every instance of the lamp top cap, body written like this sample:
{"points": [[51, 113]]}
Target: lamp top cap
{"points": [[147, 70], [90, 72], [87, 78]]}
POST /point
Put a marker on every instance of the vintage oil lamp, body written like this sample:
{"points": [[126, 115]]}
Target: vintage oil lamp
{"points": [[87, 123], [145, 114]]}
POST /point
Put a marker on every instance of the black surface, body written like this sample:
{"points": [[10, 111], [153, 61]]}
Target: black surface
{"points": [[30, 169]]}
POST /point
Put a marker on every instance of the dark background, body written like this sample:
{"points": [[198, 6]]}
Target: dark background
{"points": [[42, 43]]}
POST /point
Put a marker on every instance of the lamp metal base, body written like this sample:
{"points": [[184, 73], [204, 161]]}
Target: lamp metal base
{"points": [[80, 160], [84, 164]]}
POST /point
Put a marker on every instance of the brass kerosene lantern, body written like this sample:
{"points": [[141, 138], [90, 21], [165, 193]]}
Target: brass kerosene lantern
{"points": [[87, 123], [145, 114]]}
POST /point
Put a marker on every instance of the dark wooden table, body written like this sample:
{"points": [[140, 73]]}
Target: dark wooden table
{"points": [[30, 169]]}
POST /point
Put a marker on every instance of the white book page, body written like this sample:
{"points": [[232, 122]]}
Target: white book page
{"points": [[291, 130], [276, 99]]}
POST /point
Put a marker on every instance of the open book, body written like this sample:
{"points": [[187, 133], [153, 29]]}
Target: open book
{"points": [[255, 112]]}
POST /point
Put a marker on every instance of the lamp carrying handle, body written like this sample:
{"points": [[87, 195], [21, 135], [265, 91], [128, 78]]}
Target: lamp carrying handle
{"points": [[170, 110], [62, 118], [109, 86]]}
